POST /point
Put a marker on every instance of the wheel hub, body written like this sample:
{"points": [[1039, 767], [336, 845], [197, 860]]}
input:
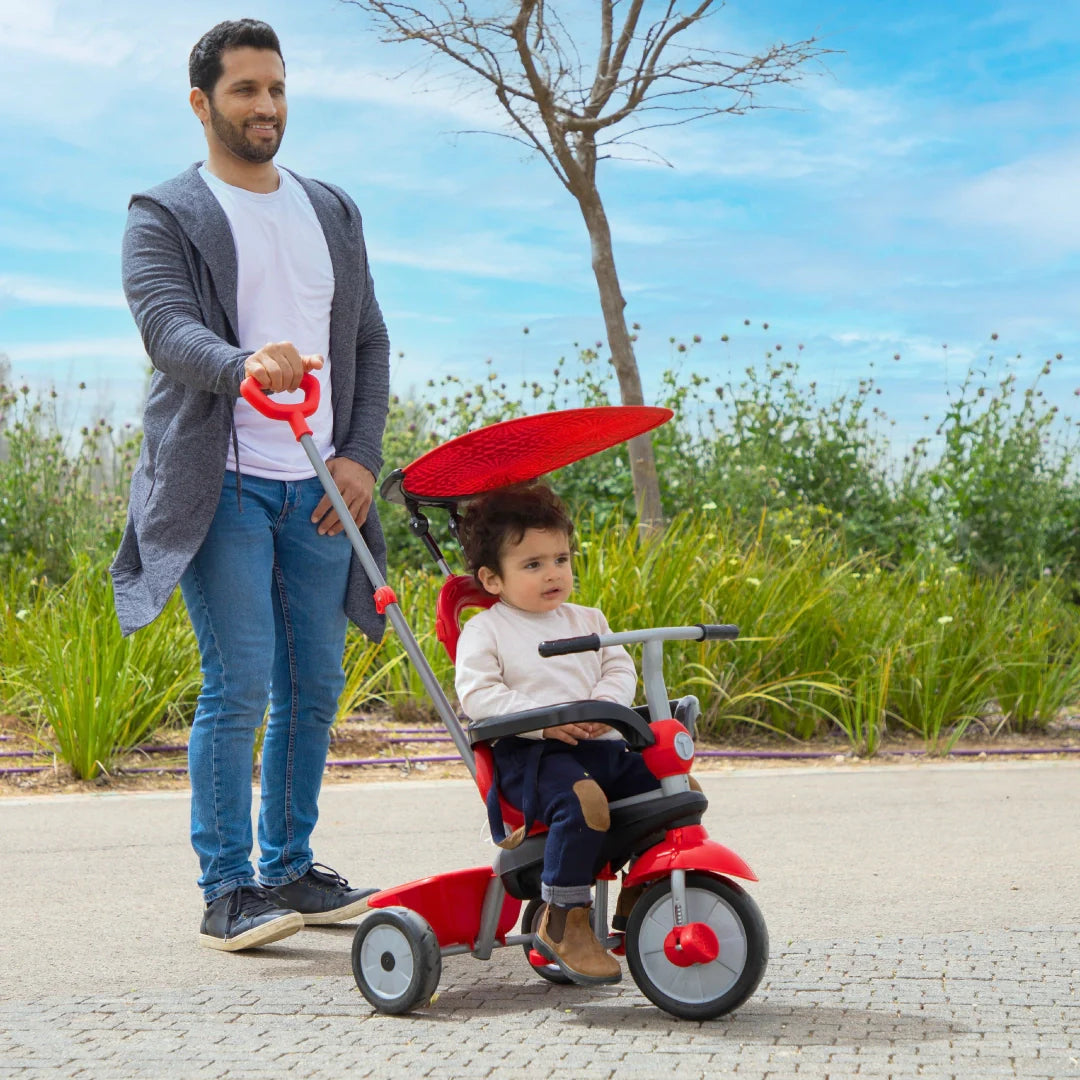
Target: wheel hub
{"points": [[694, 943]]}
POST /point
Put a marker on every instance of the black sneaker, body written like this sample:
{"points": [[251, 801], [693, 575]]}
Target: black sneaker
{"points": [[322, 896], [247, 917]]}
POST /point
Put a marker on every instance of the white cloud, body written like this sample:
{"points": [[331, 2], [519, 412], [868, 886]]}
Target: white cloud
{"points": [[462, 100], [1034, 198], [115, 348], [32, 27], [486, 256], [38, 292]]}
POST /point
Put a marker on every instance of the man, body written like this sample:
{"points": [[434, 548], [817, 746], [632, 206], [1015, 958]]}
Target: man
{"points": [[234, 268]]}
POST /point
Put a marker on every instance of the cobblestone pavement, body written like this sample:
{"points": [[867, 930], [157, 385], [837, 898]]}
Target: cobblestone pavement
{"points": [[974, 1006]]}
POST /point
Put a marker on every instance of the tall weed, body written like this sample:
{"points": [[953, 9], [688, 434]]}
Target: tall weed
{"points": [[93, 693]]}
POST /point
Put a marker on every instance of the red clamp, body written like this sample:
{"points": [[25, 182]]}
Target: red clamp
{"points": [[384, 595]]}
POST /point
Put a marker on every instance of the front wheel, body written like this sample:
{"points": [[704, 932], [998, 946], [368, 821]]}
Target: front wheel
{"points": [[396, 960], [737, 952]]}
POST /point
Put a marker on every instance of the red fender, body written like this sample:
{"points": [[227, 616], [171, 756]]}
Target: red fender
{"points": [[688, 848]]}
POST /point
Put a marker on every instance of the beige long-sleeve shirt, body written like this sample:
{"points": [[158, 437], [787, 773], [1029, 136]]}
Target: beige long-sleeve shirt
{"points": [[499, 671]]}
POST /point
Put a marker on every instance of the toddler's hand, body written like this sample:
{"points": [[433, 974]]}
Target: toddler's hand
{"points": [[596, 729], [568, 733]]}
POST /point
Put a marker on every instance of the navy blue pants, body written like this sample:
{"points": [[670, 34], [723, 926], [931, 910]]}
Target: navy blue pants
{"points": [[543, 780]]}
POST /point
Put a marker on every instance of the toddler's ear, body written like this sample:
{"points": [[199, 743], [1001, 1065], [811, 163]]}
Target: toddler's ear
{"points": [[490, 580]]}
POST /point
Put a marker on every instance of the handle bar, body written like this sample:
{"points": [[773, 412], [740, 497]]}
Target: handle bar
{"points": [[594, 642], [295, 411]]}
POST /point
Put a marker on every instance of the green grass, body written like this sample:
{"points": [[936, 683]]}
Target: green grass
{"points": [[91, 693], [828, 644]]}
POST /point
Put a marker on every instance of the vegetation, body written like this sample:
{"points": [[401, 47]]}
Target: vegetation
{"points": [[574, 113], [876, 592]]}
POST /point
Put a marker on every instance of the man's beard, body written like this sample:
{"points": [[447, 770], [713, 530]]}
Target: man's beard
{"points": [[235, 138]]}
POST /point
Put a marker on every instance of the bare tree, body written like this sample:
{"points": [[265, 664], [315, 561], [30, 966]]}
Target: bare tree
{"points": [[575, 114]]}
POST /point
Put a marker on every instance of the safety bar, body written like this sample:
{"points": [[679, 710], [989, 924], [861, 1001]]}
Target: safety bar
{"points": [[652, 660]]}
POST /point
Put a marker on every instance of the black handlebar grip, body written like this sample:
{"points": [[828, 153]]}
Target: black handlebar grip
{"points": [[718, 631], [562, 646]]}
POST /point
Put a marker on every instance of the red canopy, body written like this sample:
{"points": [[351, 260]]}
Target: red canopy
{"points": [[518, 450]]}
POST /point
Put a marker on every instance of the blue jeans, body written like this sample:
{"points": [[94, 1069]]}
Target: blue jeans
{"points": [[266, 597]]}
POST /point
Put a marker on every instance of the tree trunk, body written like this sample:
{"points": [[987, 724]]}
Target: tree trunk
{"points": [[642, 460]]}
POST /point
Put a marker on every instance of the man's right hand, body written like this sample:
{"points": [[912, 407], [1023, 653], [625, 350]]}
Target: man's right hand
{"points": [[278, 366]]}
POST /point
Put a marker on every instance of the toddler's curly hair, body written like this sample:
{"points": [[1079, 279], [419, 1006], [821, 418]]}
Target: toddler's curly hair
{"points": [[501, 517]]}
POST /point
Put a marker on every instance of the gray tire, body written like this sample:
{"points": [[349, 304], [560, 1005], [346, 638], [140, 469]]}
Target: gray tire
{"points": [[701, 991], [396, 960]]}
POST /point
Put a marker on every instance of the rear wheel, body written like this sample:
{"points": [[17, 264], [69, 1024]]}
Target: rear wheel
{"points": [[530, 923], [698, 990], [396, 960]]}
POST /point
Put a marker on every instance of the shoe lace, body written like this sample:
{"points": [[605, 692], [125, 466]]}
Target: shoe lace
{"points": [[329, 876], [251, 900]]}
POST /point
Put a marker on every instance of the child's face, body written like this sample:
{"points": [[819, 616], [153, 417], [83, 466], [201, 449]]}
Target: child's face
{"points": [[534, 573]]}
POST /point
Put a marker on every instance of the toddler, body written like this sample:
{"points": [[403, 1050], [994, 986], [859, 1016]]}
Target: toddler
{"points": [[517, 543]]}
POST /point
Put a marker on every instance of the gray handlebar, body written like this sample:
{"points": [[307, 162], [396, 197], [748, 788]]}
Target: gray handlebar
{"points": [[562, 646], [594, 642]]}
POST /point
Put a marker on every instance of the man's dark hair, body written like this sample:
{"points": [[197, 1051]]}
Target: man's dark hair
{"points": [[204, 64], [501, 517]]}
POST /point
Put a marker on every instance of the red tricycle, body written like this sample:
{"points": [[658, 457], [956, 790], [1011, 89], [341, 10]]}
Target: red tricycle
{"points": [[695, 940]]}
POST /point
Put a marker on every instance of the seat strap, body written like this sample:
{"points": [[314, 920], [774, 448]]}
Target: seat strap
{"points": [[528, 793]]}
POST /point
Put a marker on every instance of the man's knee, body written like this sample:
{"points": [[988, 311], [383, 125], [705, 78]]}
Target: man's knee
{"points": [[594, 805]]}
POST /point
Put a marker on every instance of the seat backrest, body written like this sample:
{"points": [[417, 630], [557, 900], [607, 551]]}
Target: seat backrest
{"points": [[458, 594]]}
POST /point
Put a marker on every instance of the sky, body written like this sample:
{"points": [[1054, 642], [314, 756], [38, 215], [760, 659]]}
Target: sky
{"points": [[913, 196]]}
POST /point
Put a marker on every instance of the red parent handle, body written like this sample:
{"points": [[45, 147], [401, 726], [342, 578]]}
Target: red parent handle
{"points": [[295, 412]]}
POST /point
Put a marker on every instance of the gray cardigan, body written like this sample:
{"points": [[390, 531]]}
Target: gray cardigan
{"points": [[179, 275]]}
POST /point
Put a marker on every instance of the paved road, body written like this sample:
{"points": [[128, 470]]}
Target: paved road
{"points": [[925, 921]]}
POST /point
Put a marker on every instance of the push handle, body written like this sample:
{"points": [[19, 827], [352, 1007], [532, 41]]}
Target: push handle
{"points": [[295, 411], [718, 631], [562, 646]]}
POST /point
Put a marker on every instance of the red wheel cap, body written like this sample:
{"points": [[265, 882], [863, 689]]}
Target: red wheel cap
{"points": [[695, 943]]}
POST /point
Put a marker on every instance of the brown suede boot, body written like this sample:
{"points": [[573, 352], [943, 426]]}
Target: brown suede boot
{"points": [[624, 905], [566, 938]]}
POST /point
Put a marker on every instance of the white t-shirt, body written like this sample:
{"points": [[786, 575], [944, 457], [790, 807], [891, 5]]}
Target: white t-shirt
{"points": [[499, 671], [284, 291]]}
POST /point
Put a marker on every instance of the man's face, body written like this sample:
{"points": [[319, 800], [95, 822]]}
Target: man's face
{"points": [[246, 109]]}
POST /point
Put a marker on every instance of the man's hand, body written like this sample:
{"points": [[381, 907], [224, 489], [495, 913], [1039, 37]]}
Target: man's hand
{"points": [[278, 366], [568, 733], [356, 485]]}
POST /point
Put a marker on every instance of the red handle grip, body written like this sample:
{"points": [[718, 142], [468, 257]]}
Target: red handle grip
{"points": [[294, 412]]}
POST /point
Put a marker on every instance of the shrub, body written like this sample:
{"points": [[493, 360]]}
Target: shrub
{"points": [[93, 693], [58, 501]]}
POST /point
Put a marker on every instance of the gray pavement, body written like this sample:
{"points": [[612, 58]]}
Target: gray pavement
{"points": [[924, 920]]}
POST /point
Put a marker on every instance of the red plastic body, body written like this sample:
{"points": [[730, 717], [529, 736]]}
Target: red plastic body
{"points": [[695, 943], [457, 595], [451, 903], [662, 757], [295, 412], [688, 848], [517, 450], [384, 596]]}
